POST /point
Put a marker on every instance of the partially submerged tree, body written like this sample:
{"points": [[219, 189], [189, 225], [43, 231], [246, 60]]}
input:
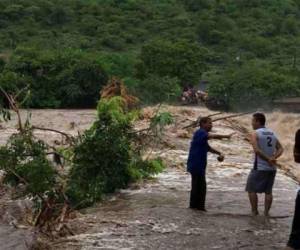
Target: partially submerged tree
{"points": [[101, 160]]}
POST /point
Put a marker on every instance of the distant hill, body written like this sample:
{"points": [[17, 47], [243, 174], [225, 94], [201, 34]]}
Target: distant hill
{"points": [[121, 36]]}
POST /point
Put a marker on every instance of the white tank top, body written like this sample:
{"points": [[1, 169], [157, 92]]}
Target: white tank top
{"points": [[266, 141]]}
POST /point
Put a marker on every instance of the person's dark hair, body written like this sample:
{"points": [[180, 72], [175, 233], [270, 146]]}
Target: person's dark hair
{"points": [[297, 147], [204, 120], [261, 118]]}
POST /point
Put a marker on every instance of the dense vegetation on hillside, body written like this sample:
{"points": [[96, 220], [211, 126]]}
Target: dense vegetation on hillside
{"points": [[66, 50]]}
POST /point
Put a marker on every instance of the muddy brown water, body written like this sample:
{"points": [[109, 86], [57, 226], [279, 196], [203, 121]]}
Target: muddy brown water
{"points": [[154, 214]]}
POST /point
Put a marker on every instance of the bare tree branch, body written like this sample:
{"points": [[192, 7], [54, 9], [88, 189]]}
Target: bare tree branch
{"points": [[232, 116], [195, 123], [69, 137], [14, 106]]}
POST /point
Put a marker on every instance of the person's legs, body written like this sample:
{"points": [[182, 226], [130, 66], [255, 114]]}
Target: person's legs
{"points": [[198, 192], [251, 188], [253, 201], [269, 182], [202, 193], [268, 203], [294, 240], [194, 193]]}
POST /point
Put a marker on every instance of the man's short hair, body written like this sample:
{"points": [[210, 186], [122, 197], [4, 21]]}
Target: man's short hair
{"points": [[204, 120], [261, 118]]}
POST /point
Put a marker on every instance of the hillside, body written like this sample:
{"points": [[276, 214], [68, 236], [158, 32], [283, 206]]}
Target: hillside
{"points": [[244, 49]]}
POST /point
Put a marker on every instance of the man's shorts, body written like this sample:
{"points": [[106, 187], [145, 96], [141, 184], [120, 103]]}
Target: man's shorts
{"points": [[260, 181]]}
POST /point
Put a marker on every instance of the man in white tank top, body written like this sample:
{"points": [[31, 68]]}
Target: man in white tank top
{"points": [[267, 149]]}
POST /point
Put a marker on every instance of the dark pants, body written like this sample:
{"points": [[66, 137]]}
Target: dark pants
{"points": [[198, 192], [294, 241]]}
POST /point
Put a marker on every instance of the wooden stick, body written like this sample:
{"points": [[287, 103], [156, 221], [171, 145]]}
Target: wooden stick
{"points": [[232, 116], [194, 123], [20, 92], [62, 217], [14, 107], [219, 113], [69, 137]]}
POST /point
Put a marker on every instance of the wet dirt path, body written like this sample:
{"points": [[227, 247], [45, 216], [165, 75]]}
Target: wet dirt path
{"points": [[156, 217]]}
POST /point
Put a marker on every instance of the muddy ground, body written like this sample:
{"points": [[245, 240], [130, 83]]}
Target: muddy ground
{"points": [[154, 214]]}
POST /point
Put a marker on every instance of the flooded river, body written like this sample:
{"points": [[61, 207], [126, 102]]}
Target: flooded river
{"points": [[154, 214]]}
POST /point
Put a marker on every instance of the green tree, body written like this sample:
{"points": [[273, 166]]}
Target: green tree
{"points": [[93, 172], [58, 79], [156, 89], [251, 85], [184, 60]]}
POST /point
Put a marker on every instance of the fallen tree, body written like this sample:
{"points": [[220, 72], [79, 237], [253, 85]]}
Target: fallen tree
{"points": [[87, 171]]}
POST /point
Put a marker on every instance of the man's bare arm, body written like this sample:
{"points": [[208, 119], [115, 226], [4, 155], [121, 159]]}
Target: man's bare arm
{"points": [[221, 157], [219, 137], [279, 150], [214, 151]]}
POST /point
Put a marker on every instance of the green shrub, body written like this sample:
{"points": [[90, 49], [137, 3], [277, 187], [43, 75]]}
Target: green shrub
{"points": [[252, 85], [143, 169], [25, 161], [184, 60], [67, 79], [104, 160]]}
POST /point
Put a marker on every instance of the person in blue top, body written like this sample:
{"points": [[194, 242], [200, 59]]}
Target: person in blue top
{"points": [[197, 161]]}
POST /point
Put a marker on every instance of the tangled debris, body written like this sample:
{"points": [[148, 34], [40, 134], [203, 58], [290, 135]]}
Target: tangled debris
{"points": [[116, 87]]}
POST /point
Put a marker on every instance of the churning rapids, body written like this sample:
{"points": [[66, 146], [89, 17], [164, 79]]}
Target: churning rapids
{"points": [[154, 214]]}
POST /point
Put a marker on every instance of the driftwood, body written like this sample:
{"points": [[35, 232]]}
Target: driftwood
{"points": [[232, 116], [69, 138], [116, 87], [215, 114], [196, 123], [14, 105], [233, 124]]}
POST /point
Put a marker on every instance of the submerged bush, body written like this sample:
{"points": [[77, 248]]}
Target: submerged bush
{"points": [[25, 161], [105, 160]]}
